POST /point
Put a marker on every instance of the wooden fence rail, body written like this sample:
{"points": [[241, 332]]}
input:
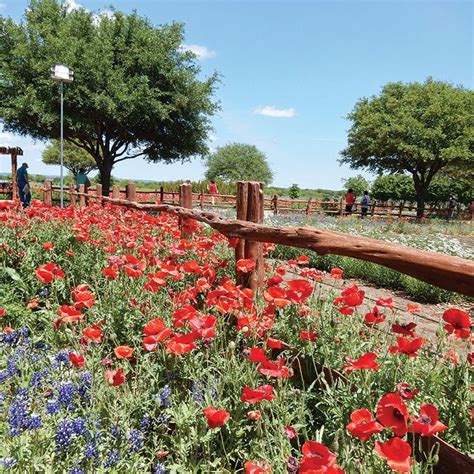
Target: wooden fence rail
{"points": [[448, 272]]}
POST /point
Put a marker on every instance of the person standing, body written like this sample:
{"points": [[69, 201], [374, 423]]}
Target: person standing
{"points": [[213, 191], [452, 205], [350, 200], [365, 204], [81, 178], [23, 185]]}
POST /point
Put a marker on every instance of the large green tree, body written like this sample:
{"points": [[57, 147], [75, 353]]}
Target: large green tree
{"points": [[136, 92], [75, 158], [357, 183], [238, 161], [417, 128]]}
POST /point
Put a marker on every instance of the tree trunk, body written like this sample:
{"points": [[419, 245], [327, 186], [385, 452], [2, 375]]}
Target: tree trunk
{"points": [[420, 202], [105, 175]]}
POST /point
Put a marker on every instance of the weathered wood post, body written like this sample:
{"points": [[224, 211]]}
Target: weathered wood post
{"points": [[14, 183], [201, 200], [340, 207], [373, 208], [98, 193], [162, 194], [402, 205], [186, 201], [116, 191], [47, 192], [241, 204], [82, 198], [308, 206], [131, 192], [72, 195], [275, 204]]}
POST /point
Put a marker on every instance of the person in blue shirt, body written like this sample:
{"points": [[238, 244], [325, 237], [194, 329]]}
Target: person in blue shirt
{"points": [[23, 185], [81, 178]]}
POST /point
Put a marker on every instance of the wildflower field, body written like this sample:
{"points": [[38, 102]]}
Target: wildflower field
{"points": [[126, 349]]}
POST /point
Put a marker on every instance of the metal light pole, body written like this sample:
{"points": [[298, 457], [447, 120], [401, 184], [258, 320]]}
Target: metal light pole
{"points": [[62, 74]]}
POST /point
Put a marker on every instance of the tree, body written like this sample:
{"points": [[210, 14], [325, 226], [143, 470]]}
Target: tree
{"points": [[75, 158], [237, 162], [358, 183], [398, 187], [136, 92], [414, 128], [294, 191]]}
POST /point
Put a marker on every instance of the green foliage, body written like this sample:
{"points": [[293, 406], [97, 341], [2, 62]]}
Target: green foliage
{"points": [[238, 161], [294, 191], [75, 157], [398, 187], [415, 128], [358, 183], [136, 92]]}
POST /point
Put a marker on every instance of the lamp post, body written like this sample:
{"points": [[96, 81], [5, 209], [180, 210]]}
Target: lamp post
{"points": [[63, 74]]}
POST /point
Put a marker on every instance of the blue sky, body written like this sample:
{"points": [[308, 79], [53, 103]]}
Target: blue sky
{"points": [[291, 71]]}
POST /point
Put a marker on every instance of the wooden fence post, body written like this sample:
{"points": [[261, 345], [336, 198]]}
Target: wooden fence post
{"points": [[201, 199], [340, 207], [47, 192], [162, 194], [82, 199], [131, 192], [373, 208], [72, 195], [186, 201], [308, 206], [116, 191], [14, 170], [402, 205], [275, 204]]}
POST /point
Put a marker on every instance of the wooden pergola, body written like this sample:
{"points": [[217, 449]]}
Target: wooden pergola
{"points": [[13, 152]]}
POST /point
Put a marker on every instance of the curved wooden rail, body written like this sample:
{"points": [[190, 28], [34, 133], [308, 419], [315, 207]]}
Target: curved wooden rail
{"points": [[448, 272]]}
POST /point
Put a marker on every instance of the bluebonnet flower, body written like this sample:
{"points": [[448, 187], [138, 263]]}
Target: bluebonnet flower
{"points": [[12, 366], [146, 422], [24, 332], [135, 440], [76, 470], [159, 469], [67, 430], [85, 386], [44, 292], [197, 391], [113, 457], [163, 420], [66, 394], [10, 338], [37, 378], [40, 345], [165, 400], [33, 422], [91, 450], [8, 463], [53, 407], [61, 358], [117, 431], [4, 376], [2, 399], [80, 426], [18, 412]]}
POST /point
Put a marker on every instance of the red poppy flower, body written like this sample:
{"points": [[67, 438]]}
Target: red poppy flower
{"points": [[393, 413], [346, 310], [366, 361], [254, 415], [316, 456], [397, 452], [374, 316], [274, 281], [413, 308], [257, 355], [181, 344], [405, 329], [290, 432], [385, 302], [153, 327], [3, 312], [245, 265], [405, 391], [336, 273], [48, 246], [192, 266], [77, 360], [302, 260], [299, 290], [69, 314], [110, 273], [264, 392], [115, 377], [470, 358], [215, 417], [93, 334], [257, 467], [308, 335], [459, 322], [47, 273], [276, 296], [123, 352], [452, 357], [134, 267], [407, 346], [363, 425], [276, 344], [203, 326], [272, 369], [427, 424]]}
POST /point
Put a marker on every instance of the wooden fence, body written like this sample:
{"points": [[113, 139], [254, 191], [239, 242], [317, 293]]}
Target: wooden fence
{"points": [[448, 272], [275, 204]]}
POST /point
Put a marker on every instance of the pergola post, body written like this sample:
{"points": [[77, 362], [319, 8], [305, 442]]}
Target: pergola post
{"points": [[14, 170]]}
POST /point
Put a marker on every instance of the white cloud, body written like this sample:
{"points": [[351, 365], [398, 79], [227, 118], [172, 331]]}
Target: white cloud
{"points": [[270, 111], [73, 5], [202, 52], [6, 138]]}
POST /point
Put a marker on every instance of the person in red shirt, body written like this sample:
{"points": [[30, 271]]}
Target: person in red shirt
{"points": [[213, 191], [350, 200]]}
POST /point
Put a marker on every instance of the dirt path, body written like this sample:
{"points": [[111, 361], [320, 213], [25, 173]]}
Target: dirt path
{"points": [[427, 319]]}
